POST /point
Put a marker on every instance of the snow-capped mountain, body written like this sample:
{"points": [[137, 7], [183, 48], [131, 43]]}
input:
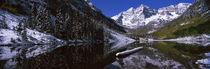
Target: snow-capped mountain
{"points": [[143, 15], [194, 21]]}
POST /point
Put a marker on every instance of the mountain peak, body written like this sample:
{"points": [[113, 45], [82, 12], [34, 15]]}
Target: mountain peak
{"points": [[183, 5], [144, 15], [142, 7], [179, 8], [130, 9]]}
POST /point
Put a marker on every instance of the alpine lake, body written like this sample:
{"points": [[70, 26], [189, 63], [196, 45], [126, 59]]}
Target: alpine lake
{"points": [[154, 55]]}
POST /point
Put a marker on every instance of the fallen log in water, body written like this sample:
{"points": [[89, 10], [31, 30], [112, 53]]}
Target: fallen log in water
{"points": [[128, 52]]}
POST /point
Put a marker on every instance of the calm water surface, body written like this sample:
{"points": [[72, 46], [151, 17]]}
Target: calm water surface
{"points": [[157, 55]]}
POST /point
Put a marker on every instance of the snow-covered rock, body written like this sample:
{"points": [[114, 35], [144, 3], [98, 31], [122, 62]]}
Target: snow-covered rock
{"points": [[152, 31], [185, 23], [143, 15], [127, 52]]}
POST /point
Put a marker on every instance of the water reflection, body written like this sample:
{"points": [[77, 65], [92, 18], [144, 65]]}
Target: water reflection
{"points": [[68, 57], [63, 57], [156, 55], [204, 63], [149, 58], [166, 55]]}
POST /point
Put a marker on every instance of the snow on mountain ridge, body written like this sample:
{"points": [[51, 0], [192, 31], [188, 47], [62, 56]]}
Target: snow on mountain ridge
{"points": [[132, 17], [179, 9], [92, 6], [143, 15]]}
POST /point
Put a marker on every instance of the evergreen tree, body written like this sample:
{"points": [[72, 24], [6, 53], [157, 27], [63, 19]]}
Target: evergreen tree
{"points": [[59, 30], [32, 20], [66, 25], [22, 29], [46, 23], [3, 22]]}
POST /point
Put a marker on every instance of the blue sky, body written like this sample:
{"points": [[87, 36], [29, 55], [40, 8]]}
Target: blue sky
{"points": [[113, 7]]}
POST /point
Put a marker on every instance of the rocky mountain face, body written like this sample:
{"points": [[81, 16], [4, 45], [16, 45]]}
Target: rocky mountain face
{"points": [[200, 7], [46, 20], [145, 16], [194, 21]]}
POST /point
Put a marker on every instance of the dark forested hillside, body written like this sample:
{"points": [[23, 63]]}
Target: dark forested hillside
{"points": [[64, 19]]}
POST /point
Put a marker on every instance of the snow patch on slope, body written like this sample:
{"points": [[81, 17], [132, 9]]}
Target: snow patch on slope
{"points": [[92, 6], [34, 37], [38, 37], [9, 36], [11, 20]]}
